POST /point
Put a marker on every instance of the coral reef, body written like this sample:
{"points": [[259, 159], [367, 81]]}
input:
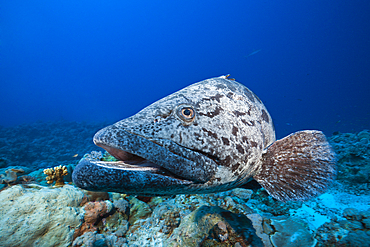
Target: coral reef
{"points": [[94, 212], [122, 206], [104, 223], [94, 239], [353, 154], [40, 176], [92, 196], [208, 226], [291, 232], [94, 156], [220, 219], [11, 176], [261, 202], [31, 214], [56, 175], [26, 179], [167, 216], [353, 230], [262, 228], [39, 216], [138, 210]]}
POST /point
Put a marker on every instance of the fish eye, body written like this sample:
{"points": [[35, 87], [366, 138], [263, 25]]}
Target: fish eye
{"points": [[186, 113]]}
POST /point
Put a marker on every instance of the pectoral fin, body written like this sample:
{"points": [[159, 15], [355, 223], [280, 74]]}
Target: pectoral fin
{"points": [[298, 167]]}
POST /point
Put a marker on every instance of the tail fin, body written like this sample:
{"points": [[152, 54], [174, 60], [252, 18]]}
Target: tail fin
{"points": [[298, 167]]}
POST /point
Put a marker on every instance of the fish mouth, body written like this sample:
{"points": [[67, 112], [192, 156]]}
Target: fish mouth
{"points": [[131, 162], [145, 166], [154, 155]]}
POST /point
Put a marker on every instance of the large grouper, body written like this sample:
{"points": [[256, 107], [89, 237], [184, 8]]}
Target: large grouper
{"points": [[211, 136]]}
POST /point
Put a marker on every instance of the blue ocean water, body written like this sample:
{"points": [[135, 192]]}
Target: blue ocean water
{"points": [[105, 60], [69, 68]]}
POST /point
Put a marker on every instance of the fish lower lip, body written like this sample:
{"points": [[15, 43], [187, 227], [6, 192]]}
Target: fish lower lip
{"points": [[124, 178], [143, 166]]}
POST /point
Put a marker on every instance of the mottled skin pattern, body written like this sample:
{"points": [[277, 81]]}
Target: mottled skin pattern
{"points": [[207, 137]]}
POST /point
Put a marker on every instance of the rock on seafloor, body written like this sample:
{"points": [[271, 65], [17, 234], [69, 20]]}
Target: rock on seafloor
{"points": [[208, 226], [283, 233], [39, 216]]}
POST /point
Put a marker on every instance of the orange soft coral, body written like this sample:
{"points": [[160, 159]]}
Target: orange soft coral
{"points": [[94, 212]]}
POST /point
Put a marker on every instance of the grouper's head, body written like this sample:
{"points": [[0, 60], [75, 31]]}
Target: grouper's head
{"points": [[203, 138]]}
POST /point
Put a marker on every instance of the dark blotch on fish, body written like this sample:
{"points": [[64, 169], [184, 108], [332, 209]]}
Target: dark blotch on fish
{"points": [[238, 113], [217, 97], [225, 141], [240, 149], [265, 116], [210, 133], [234, 131], [211, 114]]}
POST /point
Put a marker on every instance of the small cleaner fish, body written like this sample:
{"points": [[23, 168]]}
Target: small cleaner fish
{"points": [[211, 136]]}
